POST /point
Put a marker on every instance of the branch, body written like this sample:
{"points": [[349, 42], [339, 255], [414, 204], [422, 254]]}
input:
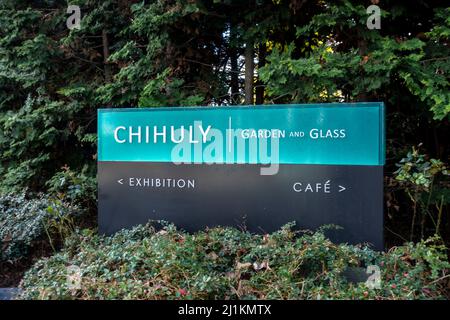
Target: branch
{"points": [[434, 59]]}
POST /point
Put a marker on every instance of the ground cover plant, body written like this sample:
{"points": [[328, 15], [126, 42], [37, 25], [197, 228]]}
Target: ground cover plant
{"points": [[226, 263], [32, 226]]}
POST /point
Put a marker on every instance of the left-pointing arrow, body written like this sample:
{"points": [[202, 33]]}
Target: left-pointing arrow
{"points": [[120, 181], [342, 188]]}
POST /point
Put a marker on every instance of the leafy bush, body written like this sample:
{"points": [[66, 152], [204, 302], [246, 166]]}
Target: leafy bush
{"points": [[24, 221], [223, 263], [79, 188], [427, 184]]}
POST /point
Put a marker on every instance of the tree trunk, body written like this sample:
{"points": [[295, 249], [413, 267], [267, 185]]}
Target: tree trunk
{"points": [[234, 56], [249, 70], [106, 56], [259, 91], [362, 50], [234, 81]]}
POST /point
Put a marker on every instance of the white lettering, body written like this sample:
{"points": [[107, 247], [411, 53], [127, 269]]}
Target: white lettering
{"points": [[137, 134], [116, 135]]}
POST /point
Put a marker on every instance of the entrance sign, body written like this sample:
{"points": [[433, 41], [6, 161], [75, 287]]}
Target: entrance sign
{"points": [[253, 167]]}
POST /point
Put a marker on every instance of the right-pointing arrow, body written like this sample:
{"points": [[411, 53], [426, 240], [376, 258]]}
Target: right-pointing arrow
{"points": [[341, 188], [120, 181]]}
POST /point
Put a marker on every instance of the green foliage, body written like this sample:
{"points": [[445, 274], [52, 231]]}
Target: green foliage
{"points": [[38, 125], [317, 76], [417, 171], [29, 139], [144, 263], [79, 188], [367, 65], [427, 183], [146, 57], [162, 91], [24, 221], [59, 223]]}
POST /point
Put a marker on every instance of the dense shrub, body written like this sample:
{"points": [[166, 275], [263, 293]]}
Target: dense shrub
{"points": [[24, 220], [79, 188], [427, 183], [144, 263]]}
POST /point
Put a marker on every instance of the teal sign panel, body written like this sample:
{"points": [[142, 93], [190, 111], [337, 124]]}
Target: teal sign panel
{"points": [[329, 134]]}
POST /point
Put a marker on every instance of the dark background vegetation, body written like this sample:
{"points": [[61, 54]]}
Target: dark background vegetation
{"points": [[218, 53]]}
